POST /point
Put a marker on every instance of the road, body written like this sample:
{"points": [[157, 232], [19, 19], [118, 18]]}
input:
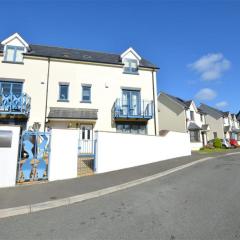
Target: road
{"points": [[199, 202]]}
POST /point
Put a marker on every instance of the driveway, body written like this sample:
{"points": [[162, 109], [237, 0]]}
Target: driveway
{"points": [[199, 202]]}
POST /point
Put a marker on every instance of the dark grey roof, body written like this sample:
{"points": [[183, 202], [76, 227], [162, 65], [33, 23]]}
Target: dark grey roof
{"points": [[193, 126], [188, 103], [211, 111], [72, 113], [79, 55], [225, 114], [183, 103], [201, 111]]}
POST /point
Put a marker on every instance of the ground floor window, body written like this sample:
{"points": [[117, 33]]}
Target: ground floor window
{"points": [[215, 135], [135, 128], [195, 136]]}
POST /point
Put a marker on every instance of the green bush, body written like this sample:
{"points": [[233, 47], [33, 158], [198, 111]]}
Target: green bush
{"points": [[217, 143]]}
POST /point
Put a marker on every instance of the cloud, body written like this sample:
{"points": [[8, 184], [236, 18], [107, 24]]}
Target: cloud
{"points": [[211, 66], [221, 104], [205, 94]]}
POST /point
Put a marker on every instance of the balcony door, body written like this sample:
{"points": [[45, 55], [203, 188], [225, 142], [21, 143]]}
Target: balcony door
{"points": [[10, 96], [11, 89], [131, 102]]}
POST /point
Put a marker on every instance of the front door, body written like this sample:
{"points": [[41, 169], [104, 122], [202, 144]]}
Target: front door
{"points": [[131, 102], [86, 145]]}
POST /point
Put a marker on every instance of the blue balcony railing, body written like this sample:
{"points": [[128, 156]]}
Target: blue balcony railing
{"points": [[16, 104], [141, 109]]}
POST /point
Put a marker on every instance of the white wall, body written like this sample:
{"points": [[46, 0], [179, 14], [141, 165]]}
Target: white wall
{"points": [[64, 154], [106, 81], [118, 150], [8, 158]]}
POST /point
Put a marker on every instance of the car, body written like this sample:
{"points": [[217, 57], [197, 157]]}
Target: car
{"points": [[234, 143], [225, 143]]}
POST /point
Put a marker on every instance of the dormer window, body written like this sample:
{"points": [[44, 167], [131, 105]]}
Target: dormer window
{"points": [[131, 61], [14, 54], [130, 66]]}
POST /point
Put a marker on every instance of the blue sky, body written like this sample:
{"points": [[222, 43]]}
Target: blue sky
{"points": [[195, 43]]}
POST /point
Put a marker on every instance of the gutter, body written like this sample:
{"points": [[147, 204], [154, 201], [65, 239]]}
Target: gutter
{"points": [[154, 107], [46, 101]]}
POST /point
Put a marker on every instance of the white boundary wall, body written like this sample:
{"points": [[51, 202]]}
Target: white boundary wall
{"points": [[64, 154], [8, 158], [117, 150]]}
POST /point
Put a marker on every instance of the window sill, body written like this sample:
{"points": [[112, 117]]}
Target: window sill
{"points": [[13, 62], [132, 73], [84, 101], [62, 100]]}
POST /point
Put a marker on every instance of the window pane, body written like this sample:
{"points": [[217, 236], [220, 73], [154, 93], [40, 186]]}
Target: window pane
{"points": [[142, 129], [6, 89], [134, 129], [130, 66], [19, 55], [86, 93], [17, 89], [63, 92], [9, 54]]}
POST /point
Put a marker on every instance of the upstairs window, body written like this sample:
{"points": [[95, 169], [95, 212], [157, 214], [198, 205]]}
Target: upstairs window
{"points": [[14, 54], [201, 117], [63, 92], [86, 93], [131, 66], [192, 115]]}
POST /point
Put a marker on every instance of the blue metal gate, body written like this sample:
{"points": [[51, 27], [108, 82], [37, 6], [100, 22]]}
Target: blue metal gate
{"points": [[34, 155]]}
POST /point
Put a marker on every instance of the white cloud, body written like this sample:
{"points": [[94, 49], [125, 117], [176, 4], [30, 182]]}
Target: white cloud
{"points": [[205, 94], [221, 104], [211, 66]]}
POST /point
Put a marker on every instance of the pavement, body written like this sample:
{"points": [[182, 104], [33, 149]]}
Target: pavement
{"points": [[199, 202], [25, 195]]}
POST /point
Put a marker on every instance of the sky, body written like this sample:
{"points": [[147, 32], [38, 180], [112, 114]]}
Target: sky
{"points": [[195, 43]]}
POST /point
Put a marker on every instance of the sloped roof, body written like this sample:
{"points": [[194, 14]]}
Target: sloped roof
{"points": [[72, 113], [183, 103], [79, 55], [211, 111], [193, 126]]}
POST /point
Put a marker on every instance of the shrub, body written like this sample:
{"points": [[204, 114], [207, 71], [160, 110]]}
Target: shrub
{"points": [[217, 143]]}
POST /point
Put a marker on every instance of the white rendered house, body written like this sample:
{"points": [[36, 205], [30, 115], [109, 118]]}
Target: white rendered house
{"points": [[71, 88]]}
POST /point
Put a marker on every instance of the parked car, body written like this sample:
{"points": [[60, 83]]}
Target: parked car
{"points": [[225, 143], [234, 143]]}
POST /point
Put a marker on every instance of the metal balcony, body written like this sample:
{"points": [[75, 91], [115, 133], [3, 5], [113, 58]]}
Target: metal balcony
{"points": [[141, 109], [15, 104]]}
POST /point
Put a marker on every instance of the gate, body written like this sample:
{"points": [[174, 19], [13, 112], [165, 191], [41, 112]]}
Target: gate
{"points": [[33, 156], [86, 157]]}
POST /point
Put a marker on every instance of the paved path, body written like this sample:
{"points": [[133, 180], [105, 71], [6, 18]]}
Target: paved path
{"points": [[199, 202], [37, 193]]}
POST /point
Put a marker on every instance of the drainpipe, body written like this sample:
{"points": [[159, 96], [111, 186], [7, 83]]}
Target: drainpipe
{"points": [[154, 107], [46, 100]]}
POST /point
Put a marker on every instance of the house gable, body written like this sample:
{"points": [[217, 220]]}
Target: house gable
{"points": [[15, 40]]}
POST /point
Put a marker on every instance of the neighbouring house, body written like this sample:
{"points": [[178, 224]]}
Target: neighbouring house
{"points": [[214, 118], [235, 127], [176, 114], [222, 124], [58, 87]]}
